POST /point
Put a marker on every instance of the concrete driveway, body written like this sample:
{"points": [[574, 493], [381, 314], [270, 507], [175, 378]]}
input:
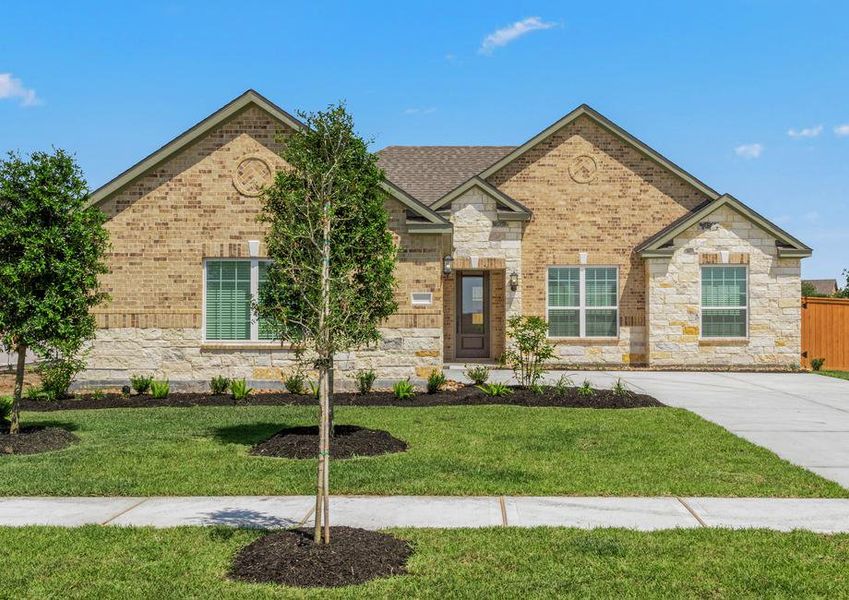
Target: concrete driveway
{"points": [[802, 417]]}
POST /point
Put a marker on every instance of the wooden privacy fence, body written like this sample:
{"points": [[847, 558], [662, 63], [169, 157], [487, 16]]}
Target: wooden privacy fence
{"points": [[825, 332]]}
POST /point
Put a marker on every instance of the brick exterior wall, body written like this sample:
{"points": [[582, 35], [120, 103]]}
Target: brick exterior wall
{"points": [[592, 192], [167, 221], [674, 289]]}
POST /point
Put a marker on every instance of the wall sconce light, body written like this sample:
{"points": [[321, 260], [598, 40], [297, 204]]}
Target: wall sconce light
{"points": [[447, 264], [514, 281]]}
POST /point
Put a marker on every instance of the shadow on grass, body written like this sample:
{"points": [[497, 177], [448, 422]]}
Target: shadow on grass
{"points": [[45, 424], [248, 434]]}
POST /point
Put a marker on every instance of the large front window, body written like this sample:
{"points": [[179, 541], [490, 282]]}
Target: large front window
{"points": [[724, 302], [231, 287], [583, 302]]}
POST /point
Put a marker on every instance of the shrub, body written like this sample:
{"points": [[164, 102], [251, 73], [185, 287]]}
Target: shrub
{"points": [[160, 389], [57, 373], [219, 385], [435, 380], [314, 389], [529, 348], [98, 395], [404, 390], [586, 388], [125, 391], [239, 388], [36, 393], [563, 384], [537, 388], [365, 379], [620, 389], [141, 383], [5, 412], [817, 363], [295, 383], [494, 390], [478, 374]]}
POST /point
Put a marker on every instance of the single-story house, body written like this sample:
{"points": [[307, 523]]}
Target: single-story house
{"points": [[630, 259]]}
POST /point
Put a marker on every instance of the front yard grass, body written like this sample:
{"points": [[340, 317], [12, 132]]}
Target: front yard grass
{"points": [[453, 450], [117, 562]]}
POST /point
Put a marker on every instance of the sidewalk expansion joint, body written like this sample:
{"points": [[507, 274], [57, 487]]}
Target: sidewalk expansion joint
{"points": [[125, 511], [691, 511]]}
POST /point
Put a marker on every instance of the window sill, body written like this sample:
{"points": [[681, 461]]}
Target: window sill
{"points": [[583, 341], [724, 342], [213, 346]]}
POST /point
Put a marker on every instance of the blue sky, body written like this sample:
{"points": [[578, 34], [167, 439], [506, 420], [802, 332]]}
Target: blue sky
{"points": [[751, 97]]}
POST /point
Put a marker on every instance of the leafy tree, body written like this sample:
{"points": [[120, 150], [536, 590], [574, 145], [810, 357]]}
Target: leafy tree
{"points": [[809, 290], [51, 254], [331, 279], [844, 293]]}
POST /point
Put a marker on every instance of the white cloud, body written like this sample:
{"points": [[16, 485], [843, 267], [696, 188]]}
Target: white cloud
{"points": [[505, 35], [805, 132], [11, 88], [749, 150], [419, 111], [842, 130]]}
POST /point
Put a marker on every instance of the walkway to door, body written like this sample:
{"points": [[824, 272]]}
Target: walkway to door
{"points": [[802, 417]]}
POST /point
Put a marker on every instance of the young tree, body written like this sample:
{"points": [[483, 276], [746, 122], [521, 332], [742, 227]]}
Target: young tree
{"points": [[51, 254], [844, 293], [331, 279]]}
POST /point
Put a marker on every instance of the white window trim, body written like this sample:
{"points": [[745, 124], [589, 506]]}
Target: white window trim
{"points": [[702, 308], [254, 339], [425, 302], [582, 302]]}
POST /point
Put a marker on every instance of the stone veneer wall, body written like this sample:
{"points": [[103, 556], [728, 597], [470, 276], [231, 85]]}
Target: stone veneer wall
{"points": [[166, 222], [674, 291], [482, 242], [592, 192]]}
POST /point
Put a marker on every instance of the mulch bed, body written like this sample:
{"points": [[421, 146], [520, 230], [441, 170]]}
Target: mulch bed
{"points": [[348, 441], [291, 558], [465, 396], [35, 439]]}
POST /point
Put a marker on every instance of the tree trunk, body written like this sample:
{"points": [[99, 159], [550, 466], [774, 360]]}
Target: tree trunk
{"points": [[322, 497], [15, 425], [330, 375]]}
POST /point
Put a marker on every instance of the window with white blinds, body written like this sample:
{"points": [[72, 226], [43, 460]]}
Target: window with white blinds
{"points": [[725, 302], [583, 302], [231, 287]]}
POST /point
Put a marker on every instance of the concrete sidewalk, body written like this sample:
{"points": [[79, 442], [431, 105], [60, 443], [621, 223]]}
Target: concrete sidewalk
{"points": [[377, 512]]}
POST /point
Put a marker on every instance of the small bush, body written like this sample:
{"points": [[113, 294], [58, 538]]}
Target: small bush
{"points": [[365, 379], [435, 380], [219, 385], [478, 374], [537, 388], [495, 390], [295, 383], [125, 391], [529, 348], [620, 389], [98, 395], [239, 389], [404, 390], [160, 389], [314, 389], [5, 412], [57, 373], [817, 363], [586, 388], [36, 393], [562, 386], [141, 383]]}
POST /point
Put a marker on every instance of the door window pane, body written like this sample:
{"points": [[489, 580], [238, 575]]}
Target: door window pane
{"points": [[472, 318]]}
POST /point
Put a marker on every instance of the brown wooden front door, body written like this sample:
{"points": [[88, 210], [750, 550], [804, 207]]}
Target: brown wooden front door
{"points": [[472, 315]]}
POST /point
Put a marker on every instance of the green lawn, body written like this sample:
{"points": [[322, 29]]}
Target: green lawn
{"points": [[453, 451], [838, 374], [109, 562]]}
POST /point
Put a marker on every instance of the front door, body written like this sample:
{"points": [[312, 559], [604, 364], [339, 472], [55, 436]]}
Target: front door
{"points": [[472, 315]]}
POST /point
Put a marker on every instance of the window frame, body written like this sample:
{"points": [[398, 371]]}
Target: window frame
{"points": [[254, 339], [702, 308], [582, 302]]}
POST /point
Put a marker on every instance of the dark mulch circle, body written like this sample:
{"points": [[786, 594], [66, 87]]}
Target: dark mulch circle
{"points": [[465, 396], [348, 441], [291, 558], [34, 440]]}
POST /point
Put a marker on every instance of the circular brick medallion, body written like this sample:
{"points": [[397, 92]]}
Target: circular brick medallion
{"points": [[252, 173], [583, 168]]}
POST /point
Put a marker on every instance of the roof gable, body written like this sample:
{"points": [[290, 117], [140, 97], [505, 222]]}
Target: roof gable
{"points": [[610, 126], [516, 210], [789, 247], [236, 106]]}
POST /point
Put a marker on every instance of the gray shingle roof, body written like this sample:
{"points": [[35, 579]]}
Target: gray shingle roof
{"points": [[823, 286], [430, 172]]}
